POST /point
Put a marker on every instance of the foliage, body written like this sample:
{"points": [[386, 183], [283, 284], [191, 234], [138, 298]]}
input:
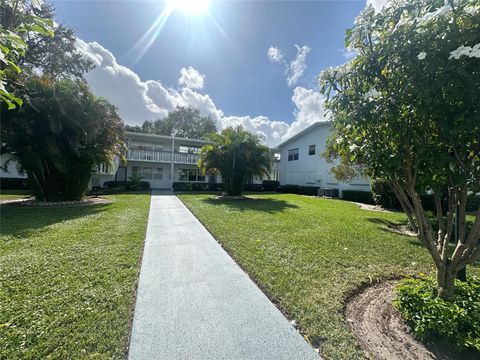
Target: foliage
{"points": [[237, 155], [297, 189], [405, 110], [432, 318], [14, 183], [68, 278], [270, 185], [184, 122], [383, 195], [133, 183], [308, 254], [364, 197], [61, 132], [196, 186], [17, 21]]}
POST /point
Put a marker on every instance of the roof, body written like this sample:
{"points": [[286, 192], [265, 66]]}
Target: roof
{"points": [[155, 136], [303, 132]]}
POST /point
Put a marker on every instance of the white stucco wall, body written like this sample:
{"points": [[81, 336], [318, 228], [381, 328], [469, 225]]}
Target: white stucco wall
{"points": [[12, 168], [312, 170]]}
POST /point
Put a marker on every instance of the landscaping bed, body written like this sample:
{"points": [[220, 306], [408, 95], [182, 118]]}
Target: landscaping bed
{"points": [[309, 255], [68, 278]]}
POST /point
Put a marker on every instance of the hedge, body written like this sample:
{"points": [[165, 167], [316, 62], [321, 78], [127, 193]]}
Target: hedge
{"points": [[129, 185], [364, 197], [297, 189], [196, 186], [14, 184]]}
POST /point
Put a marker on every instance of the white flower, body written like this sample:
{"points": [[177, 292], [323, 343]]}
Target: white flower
{"points": [[339, 140], [372, 94], [353, 147], [421, 55], [465, 51], [348, 126]]}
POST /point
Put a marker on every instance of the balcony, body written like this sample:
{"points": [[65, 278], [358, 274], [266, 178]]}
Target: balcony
{"points": [[162, 156]]}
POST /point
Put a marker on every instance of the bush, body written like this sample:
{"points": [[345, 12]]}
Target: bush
{"points": [[384, 196], [196, 186], [364, 197], [431, 318], [301, 190], [128, 185], [473, 202], [253, 187], [14, 184], [270, 185]]}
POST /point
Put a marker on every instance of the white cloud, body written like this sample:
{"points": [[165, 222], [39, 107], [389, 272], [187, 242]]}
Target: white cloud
{"points": [[298, 65], [275, 54], [377, 4], [191, 78], [139, 100]]}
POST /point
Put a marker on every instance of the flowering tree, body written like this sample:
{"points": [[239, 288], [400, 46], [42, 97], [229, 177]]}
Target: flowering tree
{"points": [[405, 110]]}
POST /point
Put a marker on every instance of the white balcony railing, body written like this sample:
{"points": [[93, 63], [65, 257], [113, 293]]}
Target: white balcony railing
{"points": [[161, 156]]}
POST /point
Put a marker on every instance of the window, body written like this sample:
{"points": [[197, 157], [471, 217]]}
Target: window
{"points": [[136, 171], [183, 175], [158, 174], [147, 173], [190, 175], [311, 150], [293, 154], [188, 149]]}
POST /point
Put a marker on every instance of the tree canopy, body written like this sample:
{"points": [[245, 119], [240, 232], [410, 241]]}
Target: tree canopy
{"points": [[405, 110], [184, 122], [58, 136], [237, 155]]}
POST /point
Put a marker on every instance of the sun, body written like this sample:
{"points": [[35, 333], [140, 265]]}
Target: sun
{"points": [[190, 7]]}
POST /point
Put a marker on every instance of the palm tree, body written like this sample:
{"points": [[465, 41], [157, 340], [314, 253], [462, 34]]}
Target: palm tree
{"points": [[59, 134], [237, 155]]}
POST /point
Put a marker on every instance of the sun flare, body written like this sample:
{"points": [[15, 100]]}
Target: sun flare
{"points": [[190, 7]]}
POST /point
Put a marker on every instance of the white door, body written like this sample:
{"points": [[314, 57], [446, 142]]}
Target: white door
{"points": [[156, 177]]}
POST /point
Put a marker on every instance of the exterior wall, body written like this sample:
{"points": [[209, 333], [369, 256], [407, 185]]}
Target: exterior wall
{"points": [[312, 170]]}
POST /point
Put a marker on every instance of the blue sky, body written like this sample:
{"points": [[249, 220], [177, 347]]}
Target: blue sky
{"points": [[231, 78]]}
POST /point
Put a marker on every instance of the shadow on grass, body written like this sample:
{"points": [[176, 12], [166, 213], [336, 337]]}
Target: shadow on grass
{"points": [[21, 222], [270, 206]]}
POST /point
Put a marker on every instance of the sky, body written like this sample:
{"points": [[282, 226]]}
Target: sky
{"points": [[253, 63]]}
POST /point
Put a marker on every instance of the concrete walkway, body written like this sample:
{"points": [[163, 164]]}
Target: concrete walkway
{"points": [[194, 301]]}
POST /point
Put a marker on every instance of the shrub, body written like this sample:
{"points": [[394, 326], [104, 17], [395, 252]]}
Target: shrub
{"points": [[364, 197], [270, 185], [429, 317], [301, 190], [14, 184], [384, 196], [253, 187], [196, 186], [473, 202], [127, 185]]}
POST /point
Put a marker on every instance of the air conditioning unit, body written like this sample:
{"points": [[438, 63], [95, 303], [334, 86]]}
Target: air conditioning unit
{"points": [[330, 192]]}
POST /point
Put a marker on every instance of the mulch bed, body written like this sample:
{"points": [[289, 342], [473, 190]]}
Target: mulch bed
{"points": [[30, 202], [383, 334]]}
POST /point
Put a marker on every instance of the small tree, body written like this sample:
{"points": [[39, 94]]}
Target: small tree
{"points": [[405, 110], [58, 136], [186, 122], [237, 155]]}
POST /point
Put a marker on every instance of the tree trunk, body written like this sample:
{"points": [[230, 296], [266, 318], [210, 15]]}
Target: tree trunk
{"points": [[445, 284]]}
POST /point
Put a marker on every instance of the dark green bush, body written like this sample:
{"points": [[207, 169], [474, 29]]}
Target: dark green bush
{"points": [[196, 186], [270, 185], [384, 196], [14, 184], [473, 202], [301, 190], [128, 185], [364, 197], [431, 318], [253, 187]]}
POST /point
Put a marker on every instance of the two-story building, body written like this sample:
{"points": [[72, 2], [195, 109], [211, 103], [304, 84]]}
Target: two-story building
{"points": [[302, 163], [160, 160]]}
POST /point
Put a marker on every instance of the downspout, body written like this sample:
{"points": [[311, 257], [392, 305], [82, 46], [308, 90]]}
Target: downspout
{"points": [[172, 161]]}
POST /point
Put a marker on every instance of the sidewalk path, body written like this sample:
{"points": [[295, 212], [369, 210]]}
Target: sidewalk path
{"points": [[194, 301]]}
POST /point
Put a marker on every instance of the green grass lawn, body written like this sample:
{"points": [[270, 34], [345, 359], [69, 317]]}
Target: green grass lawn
{"points": [[14, 194], [68, 277], [309, 254]]}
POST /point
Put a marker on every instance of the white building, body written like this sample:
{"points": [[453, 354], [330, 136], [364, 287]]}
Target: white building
{"points": [[160, 160], [301, 161]]}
